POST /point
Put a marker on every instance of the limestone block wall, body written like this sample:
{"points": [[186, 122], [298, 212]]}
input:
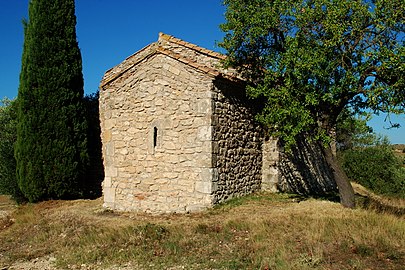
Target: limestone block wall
{"points": [[271, 160], [156, 133], [237, 144]]}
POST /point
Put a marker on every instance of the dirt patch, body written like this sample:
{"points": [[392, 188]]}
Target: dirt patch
{"points": [[6, 204], [44, 263], [7, 207]]}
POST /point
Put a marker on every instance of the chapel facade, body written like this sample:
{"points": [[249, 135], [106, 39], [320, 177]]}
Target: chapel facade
{"points": [[178, 132]]}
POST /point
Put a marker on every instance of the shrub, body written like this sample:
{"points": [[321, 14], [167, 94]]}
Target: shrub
{"points": [[8, 133], [376, 168]]}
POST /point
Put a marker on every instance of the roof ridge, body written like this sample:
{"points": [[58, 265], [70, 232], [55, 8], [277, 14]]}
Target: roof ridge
{"points": [[187, 61], [201, 67], [191, 46], [133, 55], [113, 73], [126, 65]]}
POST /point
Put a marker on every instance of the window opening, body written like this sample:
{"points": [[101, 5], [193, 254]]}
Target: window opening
{"points": [[155, 134]]}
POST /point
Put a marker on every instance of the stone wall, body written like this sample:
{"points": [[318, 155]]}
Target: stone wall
{"points": [[178, 132], [156, 133], [270, 170], [237, 143], [304, 171]]}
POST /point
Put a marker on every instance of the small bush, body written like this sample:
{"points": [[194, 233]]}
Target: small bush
{"points": [[376, 168], [8, 137]]}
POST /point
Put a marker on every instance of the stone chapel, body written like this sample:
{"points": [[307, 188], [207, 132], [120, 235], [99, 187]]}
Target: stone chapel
{"points": [[178, 132]]}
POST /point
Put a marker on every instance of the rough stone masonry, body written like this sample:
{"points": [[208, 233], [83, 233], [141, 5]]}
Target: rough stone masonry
{"points": [[178, 132]]}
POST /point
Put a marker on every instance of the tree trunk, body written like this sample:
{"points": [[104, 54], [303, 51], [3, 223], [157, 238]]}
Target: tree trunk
{"points": [[346, 191]]}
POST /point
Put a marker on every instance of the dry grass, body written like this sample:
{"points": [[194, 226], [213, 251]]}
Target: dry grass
{"points": [[371, 201], [262, 231]]}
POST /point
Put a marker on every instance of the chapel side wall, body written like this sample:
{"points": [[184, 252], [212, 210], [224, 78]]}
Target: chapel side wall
{"points": [[237, 143], [175, 175], [305, 171]]}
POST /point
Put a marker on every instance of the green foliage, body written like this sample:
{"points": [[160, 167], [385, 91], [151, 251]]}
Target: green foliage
{"points": [[368, 158], [8, 137], [51, 148], [352, 131], [309, 60], [95, 174], [376, 168]]}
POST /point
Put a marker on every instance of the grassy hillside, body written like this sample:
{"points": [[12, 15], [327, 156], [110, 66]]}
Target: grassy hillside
{"points": [[262, 231]]}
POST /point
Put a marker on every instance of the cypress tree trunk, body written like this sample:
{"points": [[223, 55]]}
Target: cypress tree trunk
{"points": [[51, 149]]}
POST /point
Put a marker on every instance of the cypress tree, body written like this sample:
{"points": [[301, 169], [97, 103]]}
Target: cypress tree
{"points": [[51, 148]]}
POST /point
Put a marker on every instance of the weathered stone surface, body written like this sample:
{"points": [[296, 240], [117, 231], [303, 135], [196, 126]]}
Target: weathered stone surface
{"points": [[237, 143], [161, 142], [305, 171], [178, 134], [270, 172]]}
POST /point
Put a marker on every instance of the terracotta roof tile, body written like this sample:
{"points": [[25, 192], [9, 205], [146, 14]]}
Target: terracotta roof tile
{"points": [[191, 46]]}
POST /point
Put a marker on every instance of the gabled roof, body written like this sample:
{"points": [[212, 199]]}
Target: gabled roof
{"points": [[169, 46]]}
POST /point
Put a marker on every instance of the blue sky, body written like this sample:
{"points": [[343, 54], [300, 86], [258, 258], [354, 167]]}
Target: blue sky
{"points": [[109, 31]]}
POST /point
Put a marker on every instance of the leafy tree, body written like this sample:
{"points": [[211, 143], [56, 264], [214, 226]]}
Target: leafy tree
{"points": [[51, 149], [8, 137], [352, 131], [311, 60]]}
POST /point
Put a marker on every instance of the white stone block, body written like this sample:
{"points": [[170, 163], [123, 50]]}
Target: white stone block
{"points": [[204, 133], [203, 187], [203, 106], [206, 174], [110, 148], [111, 171], [107, 182], [109, 123], [109, 195]]}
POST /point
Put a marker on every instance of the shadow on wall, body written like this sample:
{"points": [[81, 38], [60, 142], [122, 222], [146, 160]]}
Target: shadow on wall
{"points": [[305, 171], [95, 173]]}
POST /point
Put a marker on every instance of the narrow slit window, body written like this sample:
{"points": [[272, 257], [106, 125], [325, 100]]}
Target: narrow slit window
{"points": [[155, 137]]}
